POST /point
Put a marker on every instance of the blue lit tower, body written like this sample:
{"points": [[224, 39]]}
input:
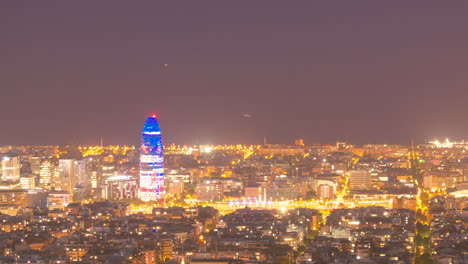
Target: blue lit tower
{"points": [[151, 161]]}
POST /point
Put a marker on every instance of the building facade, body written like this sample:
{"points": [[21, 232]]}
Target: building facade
{"points": [[10, 168], [326, 191], [209, 191], [47, 175], [121, 187], [359, 180], [67, 180], [28, 182], [151, 162]]}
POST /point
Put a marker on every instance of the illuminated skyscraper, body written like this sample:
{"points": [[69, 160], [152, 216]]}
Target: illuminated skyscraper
{"points": [[47, 174], [151, 161], [36, 165], [10, 168], [66, 180], [82, 171]]}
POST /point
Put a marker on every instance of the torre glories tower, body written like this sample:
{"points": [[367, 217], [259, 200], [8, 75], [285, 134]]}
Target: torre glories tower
{"points": [[151, 161]]}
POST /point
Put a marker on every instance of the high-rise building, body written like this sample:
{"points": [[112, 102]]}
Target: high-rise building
{"points": [[94, 179], [82, 172], [11, 168], [66, 180], [151, 162], [82, 178], [47, 175], [108, 171], [36, 165]]}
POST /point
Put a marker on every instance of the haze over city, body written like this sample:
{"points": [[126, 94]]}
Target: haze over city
{"points": [[369, 72], [233, 132]]}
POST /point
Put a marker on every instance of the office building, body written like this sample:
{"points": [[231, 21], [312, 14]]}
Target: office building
{"points": [[36, 165], [151, 162], [66, 180], [47, 174], [11, 168], [121, 188], [359, 180], [28, 182], [326, 191], [209, 191], [82, 171]]}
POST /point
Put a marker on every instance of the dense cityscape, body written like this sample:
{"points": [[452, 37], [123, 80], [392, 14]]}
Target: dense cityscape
{"points": [[270, 203], [233, 132]]}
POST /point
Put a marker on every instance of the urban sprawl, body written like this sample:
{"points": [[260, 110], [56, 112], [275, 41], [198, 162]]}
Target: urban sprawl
{"points": [[270, 203]]}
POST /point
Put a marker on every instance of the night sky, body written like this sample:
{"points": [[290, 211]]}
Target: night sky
{"points": [[233, 71]]}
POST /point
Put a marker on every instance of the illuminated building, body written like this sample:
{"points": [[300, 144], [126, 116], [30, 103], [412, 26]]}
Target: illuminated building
{"points": [[209, 191], [28, 182], [108, 171], [341, 145], [82, 179], [82, 169], [282, 150], [404, 202], [58, 200], [36, 165], [66, 179], [299, 142], [253, 192], [15, 197], [434, 182], [281, 193], [175, 187], [94, 179], [75, 252], [316, 182], [46, 174], [10, 168], [151, 161], [326, 191], [359, 180], [121, 187]]}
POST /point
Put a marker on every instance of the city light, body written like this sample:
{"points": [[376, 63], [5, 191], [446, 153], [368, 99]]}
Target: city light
{"points": [[291, 133]]}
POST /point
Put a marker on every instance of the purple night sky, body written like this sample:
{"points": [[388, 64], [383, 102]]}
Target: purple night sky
{"points": [[366, 71]]}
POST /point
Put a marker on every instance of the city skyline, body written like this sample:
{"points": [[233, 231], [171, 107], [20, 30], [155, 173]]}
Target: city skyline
{"points": [[229, 72], [377, 203], [233, 132]]}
